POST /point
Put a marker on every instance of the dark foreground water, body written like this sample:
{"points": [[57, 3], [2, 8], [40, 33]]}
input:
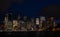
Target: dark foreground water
{"points": [[30, 34]]}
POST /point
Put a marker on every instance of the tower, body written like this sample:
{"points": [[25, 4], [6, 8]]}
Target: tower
{"points": [[42, 22], [53, 23], [15, 25], [25, 20], [37, 23], [19, 21], [6, 22], [10, 19], [32, 22]]}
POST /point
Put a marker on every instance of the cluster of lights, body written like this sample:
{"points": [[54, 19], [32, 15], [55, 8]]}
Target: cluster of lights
{"points": [[25, 25]]}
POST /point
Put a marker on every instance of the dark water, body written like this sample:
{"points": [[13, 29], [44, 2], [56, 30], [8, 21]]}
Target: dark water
{"points": [[29, 34]]}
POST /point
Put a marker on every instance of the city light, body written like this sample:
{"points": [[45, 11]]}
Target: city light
{"points": [[37, 24]]}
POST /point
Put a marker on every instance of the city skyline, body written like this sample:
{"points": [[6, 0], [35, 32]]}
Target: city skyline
{"points": [[16, 16], [24, 25], [34, 8]]}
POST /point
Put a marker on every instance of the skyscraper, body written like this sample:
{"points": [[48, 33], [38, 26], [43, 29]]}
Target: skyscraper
{"points": [[37, 23], [32, 24], [8, 22], [42, 22], [19, 22], [15, 25], [9, 26]]}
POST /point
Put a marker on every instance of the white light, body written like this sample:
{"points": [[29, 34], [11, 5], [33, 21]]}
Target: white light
{"points": [[15, 22], [42, 18], [37, 21]]}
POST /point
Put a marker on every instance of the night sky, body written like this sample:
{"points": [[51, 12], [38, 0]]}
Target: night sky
{"points": [[27, 7]]}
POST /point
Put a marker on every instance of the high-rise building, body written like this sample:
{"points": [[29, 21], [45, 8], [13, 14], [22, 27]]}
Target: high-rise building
{"points": [[25, 20], [9, 26], [19, 22], [37, 23], [15, 25], [29, 26], [52, 21], [42, 18], [32, 22], [42, 22], [54, 24], [6, 22], [10, 23]]}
